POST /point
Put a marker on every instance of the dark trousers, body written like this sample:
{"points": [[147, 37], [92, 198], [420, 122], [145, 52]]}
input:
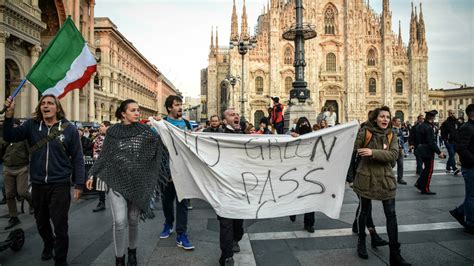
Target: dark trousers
{"points": [[369, 221], [419, 164], [400, 166], [230, 230], [423, 182], [168, 198], [102, 196], [308, 218], [51, 203], [467, 207], [279, 127], [390, 216], [451, 163]]}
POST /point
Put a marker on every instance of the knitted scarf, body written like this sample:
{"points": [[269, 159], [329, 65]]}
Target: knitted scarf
{"points": [[130, 163]]}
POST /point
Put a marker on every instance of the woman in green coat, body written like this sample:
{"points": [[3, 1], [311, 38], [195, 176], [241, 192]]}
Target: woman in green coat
{"points": [[378, 150]]}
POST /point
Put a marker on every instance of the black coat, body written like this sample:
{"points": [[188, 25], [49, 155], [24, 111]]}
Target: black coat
{"points": [[465, 144], [426, 140], [449, 130]]}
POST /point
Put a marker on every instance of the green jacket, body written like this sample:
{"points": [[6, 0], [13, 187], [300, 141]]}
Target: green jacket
{"points": [[374, 176], [15, 154]]}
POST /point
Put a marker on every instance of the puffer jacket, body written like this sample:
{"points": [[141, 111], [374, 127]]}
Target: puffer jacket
{"points": [[374, 175]]}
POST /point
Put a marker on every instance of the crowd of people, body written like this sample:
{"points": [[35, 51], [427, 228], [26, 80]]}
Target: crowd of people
{"points": [[131, 166]]}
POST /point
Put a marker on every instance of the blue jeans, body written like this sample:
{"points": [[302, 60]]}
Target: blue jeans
{"points": [[467, 207], [451, 164]]}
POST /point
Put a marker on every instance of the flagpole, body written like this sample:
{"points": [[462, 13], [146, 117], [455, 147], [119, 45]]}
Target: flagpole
{"points": [[15, 93]]}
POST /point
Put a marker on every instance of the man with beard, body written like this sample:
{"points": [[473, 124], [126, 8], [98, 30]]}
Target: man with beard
{"points": [[55, 157], [449, 135], [174, 106], [231, 230], [214, 125]]}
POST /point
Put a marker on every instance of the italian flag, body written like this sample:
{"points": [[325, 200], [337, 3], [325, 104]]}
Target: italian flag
{"points": [[65, 65]]}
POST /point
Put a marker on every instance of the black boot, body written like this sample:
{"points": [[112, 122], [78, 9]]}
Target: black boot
{"points": [[376, 240], [14, 221], [120, 261], [132, 257], [396, 258], [361, 248]]}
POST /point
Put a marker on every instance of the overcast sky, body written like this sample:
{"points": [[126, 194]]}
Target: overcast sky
{"points": [[175, 34]]}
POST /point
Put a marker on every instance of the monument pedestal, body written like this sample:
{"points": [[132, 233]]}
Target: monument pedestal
{"points": [[298, 109]]}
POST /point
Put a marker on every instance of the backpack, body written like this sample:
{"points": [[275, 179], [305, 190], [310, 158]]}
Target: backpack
{"points": [[356, 158]]}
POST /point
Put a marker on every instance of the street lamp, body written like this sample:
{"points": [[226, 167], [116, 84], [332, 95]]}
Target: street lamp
{"points": [[244, 45]]}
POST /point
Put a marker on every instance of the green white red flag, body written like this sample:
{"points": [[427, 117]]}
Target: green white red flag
{"points": [[65, 65]]}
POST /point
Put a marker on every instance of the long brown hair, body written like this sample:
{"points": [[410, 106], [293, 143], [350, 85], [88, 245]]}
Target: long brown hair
{"points": [[38, 116]]}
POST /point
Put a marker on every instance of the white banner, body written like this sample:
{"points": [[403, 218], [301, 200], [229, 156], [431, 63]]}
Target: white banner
{"points": [[261, 176]]}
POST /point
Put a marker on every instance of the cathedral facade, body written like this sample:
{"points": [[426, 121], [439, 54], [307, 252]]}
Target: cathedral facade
{"points": [[356, 63]]}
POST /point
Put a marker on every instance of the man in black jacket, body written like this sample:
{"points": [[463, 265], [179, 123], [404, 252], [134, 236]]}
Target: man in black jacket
{"points": [[414, 143], [52, 166], [426, 149], [449, 135], [465, 148], [231, 230]]}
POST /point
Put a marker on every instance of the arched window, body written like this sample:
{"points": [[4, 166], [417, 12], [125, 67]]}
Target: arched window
{"points": [[330, 21], [372, 86], [288, 84], [371, 58], [288, 60], [259, 85], [331, 62], [400, 115], [399, 86]]}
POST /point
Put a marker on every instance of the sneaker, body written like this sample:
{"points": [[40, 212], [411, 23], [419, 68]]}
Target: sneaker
{"points": [[167, 231], [235, 247], [456, 172], [183, 242], [14, 221]]}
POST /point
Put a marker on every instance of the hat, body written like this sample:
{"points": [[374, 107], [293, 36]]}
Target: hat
{"points": [[276, 99], [431, 113], [470, 109]]}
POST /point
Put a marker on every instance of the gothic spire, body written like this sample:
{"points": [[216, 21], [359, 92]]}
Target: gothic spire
{"points": [[399, 33], [386, 6], [212, 37], [217, 37], [421, 29], [234, 30], [413, 43], [243, 26]]}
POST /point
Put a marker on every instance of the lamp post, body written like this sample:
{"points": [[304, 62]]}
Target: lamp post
{"points": [[244, 45], [299, 33]]}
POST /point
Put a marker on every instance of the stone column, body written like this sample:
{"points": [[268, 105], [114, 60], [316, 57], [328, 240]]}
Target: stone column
{"points": [[3, 39], [91, 101], [34, 53]]}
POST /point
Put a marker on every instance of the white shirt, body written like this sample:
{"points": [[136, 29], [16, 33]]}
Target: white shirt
{"points": [[330, 119]]}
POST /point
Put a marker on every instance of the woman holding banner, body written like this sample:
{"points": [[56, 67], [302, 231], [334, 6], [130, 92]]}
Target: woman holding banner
{"points": [[129, 164], [378, 149]]}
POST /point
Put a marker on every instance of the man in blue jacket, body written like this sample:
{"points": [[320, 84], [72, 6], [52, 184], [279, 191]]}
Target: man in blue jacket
{"points": [[56, 160]]}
